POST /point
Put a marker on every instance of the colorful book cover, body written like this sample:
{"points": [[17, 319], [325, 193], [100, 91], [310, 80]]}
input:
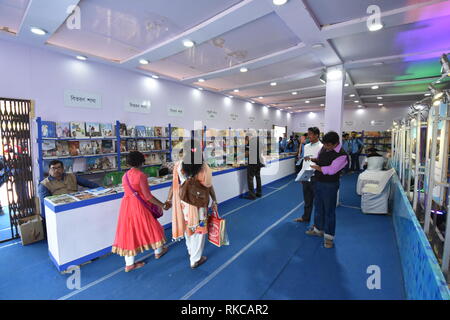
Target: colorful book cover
{"points": [[48, 129], [158, 131], [131, 131], [85, 147], [154, 159], [63, 129], [107, 129], [123, 146], [93, 164], [74, 148], [93, 129], [62, 148], [107, 163], [78, 130], [158, 145], [49, 148], [79, 165], [61, 199], [123, 162], [82, 195], [149, 132], [141, 145], [68, 165], [131, 145], [147, 159], [96, 146], [150, 145], [123, 130], [162, 157], [107, 146], [140, 131]]}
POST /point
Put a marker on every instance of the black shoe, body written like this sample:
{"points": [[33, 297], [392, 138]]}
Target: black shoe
{"points": [[250, 198], [259, 195]]}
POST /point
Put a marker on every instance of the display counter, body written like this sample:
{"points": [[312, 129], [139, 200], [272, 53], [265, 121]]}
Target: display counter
{"points": [[82, 230]]}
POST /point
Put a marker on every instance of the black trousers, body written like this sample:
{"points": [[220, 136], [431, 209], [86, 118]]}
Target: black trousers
{"points": [[308, 197], [355, 162], [254, 171]]}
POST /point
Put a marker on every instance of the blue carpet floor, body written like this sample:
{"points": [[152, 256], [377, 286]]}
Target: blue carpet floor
{"points": [[270, 257]]}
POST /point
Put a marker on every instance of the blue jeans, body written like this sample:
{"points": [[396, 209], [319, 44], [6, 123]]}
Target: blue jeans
{"points": [[325, 199]]}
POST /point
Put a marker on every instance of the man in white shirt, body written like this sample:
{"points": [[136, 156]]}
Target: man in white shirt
{"points": [[311, 151]]}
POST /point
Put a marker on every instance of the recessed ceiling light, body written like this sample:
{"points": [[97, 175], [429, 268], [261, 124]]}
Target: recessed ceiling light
{"points": [[322, 105], [260, 97], [380, 98], [294, 93], [307, 101], [143, 61], [380, 104], [346, 85], [378, 63], [375, 87], [360, 106], [376, 27], [38, 31], [273, 84], [356, 101], [289, 107], [236, 90], [279, 2], [188, 43], [155, 76], [317, 46], [83, 58], [251, 101], [200, 88], [201, 80], [243, 69], [352, 95]]}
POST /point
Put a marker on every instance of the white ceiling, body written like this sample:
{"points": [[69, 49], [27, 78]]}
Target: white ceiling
{"points": [[275, 43]]}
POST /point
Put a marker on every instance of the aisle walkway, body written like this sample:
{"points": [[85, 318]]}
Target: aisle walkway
{"points": [[270, 257]]}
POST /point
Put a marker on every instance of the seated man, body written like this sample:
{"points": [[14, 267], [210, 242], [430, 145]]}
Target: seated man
{"points": [[374, 161], [58, 182]]}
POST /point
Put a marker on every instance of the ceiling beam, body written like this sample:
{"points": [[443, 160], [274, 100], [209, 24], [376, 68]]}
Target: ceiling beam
{"points": [[234, 17], [393, 83], [272, 58], [45, 14], [394, 95], [391, 18]]}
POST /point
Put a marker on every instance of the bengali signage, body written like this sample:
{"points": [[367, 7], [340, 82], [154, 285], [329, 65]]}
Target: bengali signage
{"points": [[377, 123], [303, 125], [136, 105], [211, 114], [81, 99], [234, 116], [349, 123], [175, 111], [251, 119]]}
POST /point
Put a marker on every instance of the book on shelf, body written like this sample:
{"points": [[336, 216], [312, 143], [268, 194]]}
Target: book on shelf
{"points": [[97, 146], [140, 131], [62, 148], [74, 148], [131, 145], [162, 158], [93, 129], [63, 129], [49, 148], [158, 145], [158, 131], [123, 129], [123, 146], [131, 131], [107, 129], [79, 165], [48, 129], [141, 145], [107, 146], [61, 199], [123, 162], [101, 163], [150, 144], [85, 147], [149, 132], [77, 130]]}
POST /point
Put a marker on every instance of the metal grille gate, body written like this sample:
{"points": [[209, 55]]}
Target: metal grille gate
{"points": [[16, 143]]}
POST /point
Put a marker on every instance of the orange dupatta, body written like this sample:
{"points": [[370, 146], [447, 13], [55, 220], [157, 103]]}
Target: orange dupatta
{"points": [[178, 222]]}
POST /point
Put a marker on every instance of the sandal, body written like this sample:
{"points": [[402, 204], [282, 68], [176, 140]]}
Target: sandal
{"points": [[163, 252], [199, 262], [134, 266]]}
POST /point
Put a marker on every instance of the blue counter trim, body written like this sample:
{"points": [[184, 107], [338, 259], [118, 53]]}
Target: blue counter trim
{"points": [[88, 202]]}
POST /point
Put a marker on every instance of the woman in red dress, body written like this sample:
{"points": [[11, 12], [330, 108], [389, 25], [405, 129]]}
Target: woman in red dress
{"points": [[137, 229]]}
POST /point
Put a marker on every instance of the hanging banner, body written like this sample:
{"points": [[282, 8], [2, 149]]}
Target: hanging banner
{"points": [[175, 111], [80, 99], [211, 114], [234, 116], [136, 105]]}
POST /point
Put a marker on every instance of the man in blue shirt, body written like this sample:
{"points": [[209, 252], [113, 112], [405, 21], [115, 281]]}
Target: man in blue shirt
{"points": [[282, 143], [355, 146], [58, 182], [346, 147]]}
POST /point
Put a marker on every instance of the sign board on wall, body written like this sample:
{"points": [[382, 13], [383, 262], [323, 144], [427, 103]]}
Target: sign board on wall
{"points": [[234, 116], [81, 99], [175, 111], [211, 114], [349, 123], [136, 105], [266, 122], [303, 125], [251, 119], [377, 123]]}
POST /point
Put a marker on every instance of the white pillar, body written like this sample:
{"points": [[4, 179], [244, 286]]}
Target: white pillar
{"points": [[334, 100]]}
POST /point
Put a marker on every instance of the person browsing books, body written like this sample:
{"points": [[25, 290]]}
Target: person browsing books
{"points": [[59, 182], [310, 150]]}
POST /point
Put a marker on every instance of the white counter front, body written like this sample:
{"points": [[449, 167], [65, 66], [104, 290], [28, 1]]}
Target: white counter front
{"points": [[81, 231]]}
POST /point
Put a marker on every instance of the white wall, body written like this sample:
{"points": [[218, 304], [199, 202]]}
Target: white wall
{"points": [[357, 120]]}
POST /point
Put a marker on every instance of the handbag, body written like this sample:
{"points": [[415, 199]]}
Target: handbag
{"points": [[156, 211], [217, 233], [194, 193]]}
